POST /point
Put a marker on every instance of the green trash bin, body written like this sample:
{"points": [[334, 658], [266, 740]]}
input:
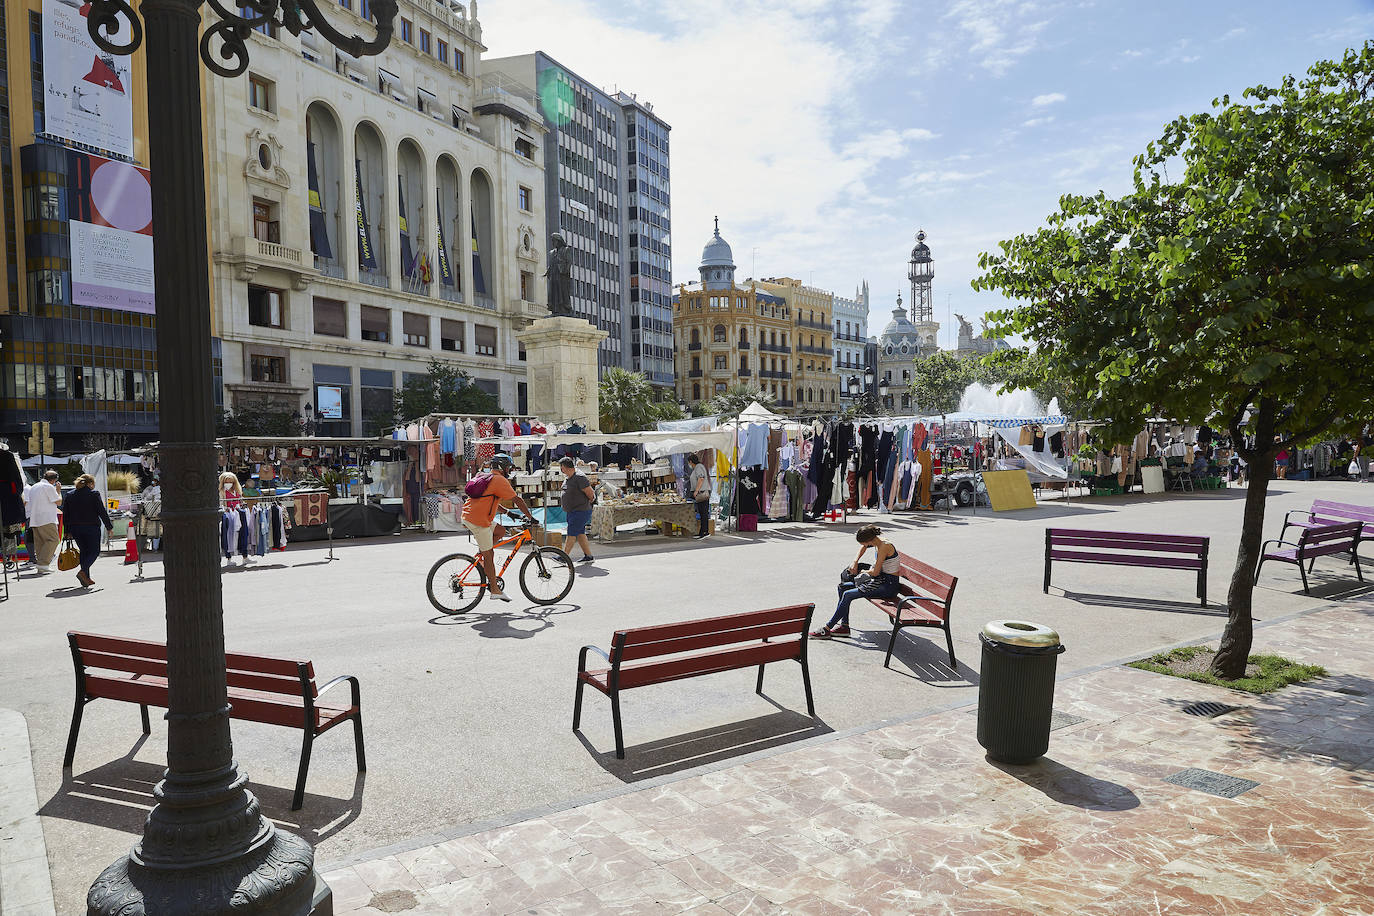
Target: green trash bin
{"points": [[1016, 689]]}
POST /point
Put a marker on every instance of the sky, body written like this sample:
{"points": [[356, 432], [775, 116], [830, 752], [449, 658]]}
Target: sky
{"points": [[825, 134]]}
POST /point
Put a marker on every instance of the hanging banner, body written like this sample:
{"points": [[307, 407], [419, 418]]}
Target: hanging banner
{"points": [[110, 226], [319, 231], [87, 93], [367, 258], [445, 271], [479, 283], [407, 256]]}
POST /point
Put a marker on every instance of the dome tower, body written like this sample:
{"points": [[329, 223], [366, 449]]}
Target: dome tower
{"points": [[717, 263]]}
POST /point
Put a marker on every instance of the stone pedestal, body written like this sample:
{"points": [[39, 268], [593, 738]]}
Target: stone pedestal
{"points": [[560, 356]]}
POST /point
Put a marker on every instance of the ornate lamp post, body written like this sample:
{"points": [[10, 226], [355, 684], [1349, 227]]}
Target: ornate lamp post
{"points": [[206, 848], [874, 397]]}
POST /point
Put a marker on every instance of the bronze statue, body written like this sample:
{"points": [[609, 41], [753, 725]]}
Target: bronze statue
{"points": [[560, 277]]}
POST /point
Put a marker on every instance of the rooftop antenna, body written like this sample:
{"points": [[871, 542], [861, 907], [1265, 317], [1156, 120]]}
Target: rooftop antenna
{"points": [[753, 263]]}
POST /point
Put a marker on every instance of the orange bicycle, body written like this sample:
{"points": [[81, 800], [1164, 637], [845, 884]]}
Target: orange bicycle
{"points": [[458, 582]]}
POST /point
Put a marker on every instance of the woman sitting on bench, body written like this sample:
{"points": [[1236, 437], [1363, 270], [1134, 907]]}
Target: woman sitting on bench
{"points": [[854, 584]]}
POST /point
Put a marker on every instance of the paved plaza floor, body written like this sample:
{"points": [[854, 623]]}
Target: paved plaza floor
{"points": [[468, 718]]}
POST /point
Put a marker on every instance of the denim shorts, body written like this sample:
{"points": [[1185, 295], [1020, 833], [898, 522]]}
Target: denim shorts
{"points": [[578, 521]]}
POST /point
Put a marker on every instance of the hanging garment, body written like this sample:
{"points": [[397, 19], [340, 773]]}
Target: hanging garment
{"points": [[751, 491], [796, 487], [927, 479], [754, 450], [487, 451], [780, 504], [469, 442], [448, 436]]}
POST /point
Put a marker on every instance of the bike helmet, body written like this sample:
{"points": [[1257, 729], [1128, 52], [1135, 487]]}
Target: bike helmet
{"points": [[502, 461]]}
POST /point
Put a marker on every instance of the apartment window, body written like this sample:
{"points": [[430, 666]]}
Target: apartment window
{"points": [[264, 307], [719, 361], [451, 335], [346, 4], [415, 329], [720, 387], [331, 318], [458, 61], [365, 9], [267, 28], [526, 286], [524, 148], [270, 369], [266, 227], [526, 199], [407, 31], [375, 324], [260, 93], [696, 391], [484, 340], [441, 51], [718, 334], [696, 363], [424, 41]]}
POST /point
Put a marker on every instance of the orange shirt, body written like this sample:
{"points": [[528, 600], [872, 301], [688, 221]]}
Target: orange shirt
{"points": [[482, 510]]}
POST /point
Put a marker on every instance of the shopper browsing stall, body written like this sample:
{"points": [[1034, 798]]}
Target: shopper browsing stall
{"points": [[577, 499]]}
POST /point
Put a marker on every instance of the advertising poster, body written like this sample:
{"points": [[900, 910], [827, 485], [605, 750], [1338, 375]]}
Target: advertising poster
{"points": [[88, 98], [110, 211], [329, 401]]}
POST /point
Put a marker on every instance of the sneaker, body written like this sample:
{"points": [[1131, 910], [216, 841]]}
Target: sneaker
{"points": [[822, 633], [587, 559], [499, 596], [839, 631], [697, 537]]}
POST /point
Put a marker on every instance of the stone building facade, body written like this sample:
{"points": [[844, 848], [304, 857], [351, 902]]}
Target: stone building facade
{"points": [[850, 317], [816, 385]]}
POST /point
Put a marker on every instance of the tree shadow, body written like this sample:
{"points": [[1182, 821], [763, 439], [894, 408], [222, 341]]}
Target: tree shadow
{"points": [[1071, 787], [119, 795], [1142, 604], [706, 746]]}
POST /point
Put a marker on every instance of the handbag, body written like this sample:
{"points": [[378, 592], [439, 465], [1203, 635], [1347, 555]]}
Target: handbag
{"points": [[69, 558]]}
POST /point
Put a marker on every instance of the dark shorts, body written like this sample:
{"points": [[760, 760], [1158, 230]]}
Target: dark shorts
{"points": [[578, 521]]}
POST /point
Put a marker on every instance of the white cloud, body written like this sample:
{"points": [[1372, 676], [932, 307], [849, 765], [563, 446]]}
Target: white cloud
{"points": [[1132, 53], [1049, 98], [998, 32], [1036, 122]]}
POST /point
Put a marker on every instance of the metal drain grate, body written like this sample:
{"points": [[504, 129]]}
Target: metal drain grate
{"points": [[1218, 784], [1208, 709], [1063, 720]]}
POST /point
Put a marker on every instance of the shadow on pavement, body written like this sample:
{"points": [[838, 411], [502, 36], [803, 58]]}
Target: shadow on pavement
{"points": [[710, 745], [1070, 787], [119, 795], [1141, 604], [507, 624], [925, 659]]}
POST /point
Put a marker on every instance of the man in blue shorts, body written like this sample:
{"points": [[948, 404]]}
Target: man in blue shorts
{"points": [[576, 500]]}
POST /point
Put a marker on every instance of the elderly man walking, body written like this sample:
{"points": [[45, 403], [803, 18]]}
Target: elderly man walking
{"points": [[43, 498]]}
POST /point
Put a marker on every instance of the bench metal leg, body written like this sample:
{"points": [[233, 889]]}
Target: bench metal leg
{"points": [[806, 685], [298, 799], [1359, 575], [949, 643], [1303, 571], [615, 720], [758, 688], [896, 628], [577, 704], [358, 741], [143, 711], [77, 710]]}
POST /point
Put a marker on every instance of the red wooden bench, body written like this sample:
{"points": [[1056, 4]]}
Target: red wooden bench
{"points": [[1128, 548], [669, 653], [274, 691], [1326, 512], [923, 600], [1318, 541]]}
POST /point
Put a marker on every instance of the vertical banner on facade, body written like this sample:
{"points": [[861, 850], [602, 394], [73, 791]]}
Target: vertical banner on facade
{"points": [[445, 270], [407, 255], [479, 282], [319, 230], [367, 258], [110, 224], [87, 93]]}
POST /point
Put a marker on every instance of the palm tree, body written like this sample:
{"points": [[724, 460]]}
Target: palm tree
{"points": [[627, 403], [736, 398]]}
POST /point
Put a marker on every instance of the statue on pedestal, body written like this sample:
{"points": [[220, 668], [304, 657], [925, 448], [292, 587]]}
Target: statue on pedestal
{"points": [[560, 277], [965, 329]]}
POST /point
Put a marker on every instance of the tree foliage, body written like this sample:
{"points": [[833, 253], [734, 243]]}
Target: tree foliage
{"points": [[259, 418], [628, 402], [443, 388], [1240, 295], [736, 398]]}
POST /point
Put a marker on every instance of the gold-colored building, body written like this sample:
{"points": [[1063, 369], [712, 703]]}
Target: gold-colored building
{"points": [[817, 387], [725, 335]]}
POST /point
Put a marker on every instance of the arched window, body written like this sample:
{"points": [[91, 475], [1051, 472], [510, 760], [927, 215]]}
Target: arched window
{"points": [[718, 334], [832, 395], [696, 335], [696, 391]]}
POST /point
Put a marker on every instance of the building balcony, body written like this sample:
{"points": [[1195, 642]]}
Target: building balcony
{"points": [[249, 255], [694, 346], [816, 325], [694, 373], [499, 94], [450, 294], [744, 373], [483, 301], [744, 345], [774, 348], [374, 278], [785, 403], [818, 351]]}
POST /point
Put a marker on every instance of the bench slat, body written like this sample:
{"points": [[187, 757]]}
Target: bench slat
{"points": [[140, 648], [247, 706], [1189, 539], [644, 675], [1103, 544], [659, 633], [1348, 510], [930, 579], [250, 680], [707, 640], [1118, 559]]}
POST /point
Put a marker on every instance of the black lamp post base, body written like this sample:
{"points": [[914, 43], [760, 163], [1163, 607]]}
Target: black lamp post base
{"points": [[276, 879]]}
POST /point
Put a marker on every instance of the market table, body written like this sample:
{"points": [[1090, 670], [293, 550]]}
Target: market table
{"points": [[605, 518]]}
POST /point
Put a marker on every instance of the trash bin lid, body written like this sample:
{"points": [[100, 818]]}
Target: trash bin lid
{"points": [[1021, 633]]}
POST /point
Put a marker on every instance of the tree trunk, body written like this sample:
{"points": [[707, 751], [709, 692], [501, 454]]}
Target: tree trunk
{"points": [[1231, 657]]}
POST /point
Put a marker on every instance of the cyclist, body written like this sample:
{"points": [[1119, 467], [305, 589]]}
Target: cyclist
{"points": [[479, 517]]}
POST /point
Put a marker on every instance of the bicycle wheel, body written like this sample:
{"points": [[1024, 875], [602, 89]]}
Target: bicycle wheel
{"points": [[456, 583], [546, 576]]}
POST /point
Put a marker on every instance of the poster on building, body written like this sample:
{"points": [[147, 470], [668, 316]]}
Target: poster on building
{"points": [[110, 221], [329, 401], [87, 93]]}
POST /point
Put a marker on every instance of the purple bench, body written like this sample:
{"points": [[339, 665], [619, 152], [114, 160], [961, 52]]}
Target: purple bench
{"points": [[1326, 512], [1316, 541], [1128, 548]]}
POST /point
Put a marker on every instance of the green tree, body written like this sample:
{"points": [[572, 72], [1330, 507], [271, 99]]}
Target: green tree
{"points": [[938, 381], [736, 398], [259, 418], [1240, 295], [443, 388], [628, 402]]}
